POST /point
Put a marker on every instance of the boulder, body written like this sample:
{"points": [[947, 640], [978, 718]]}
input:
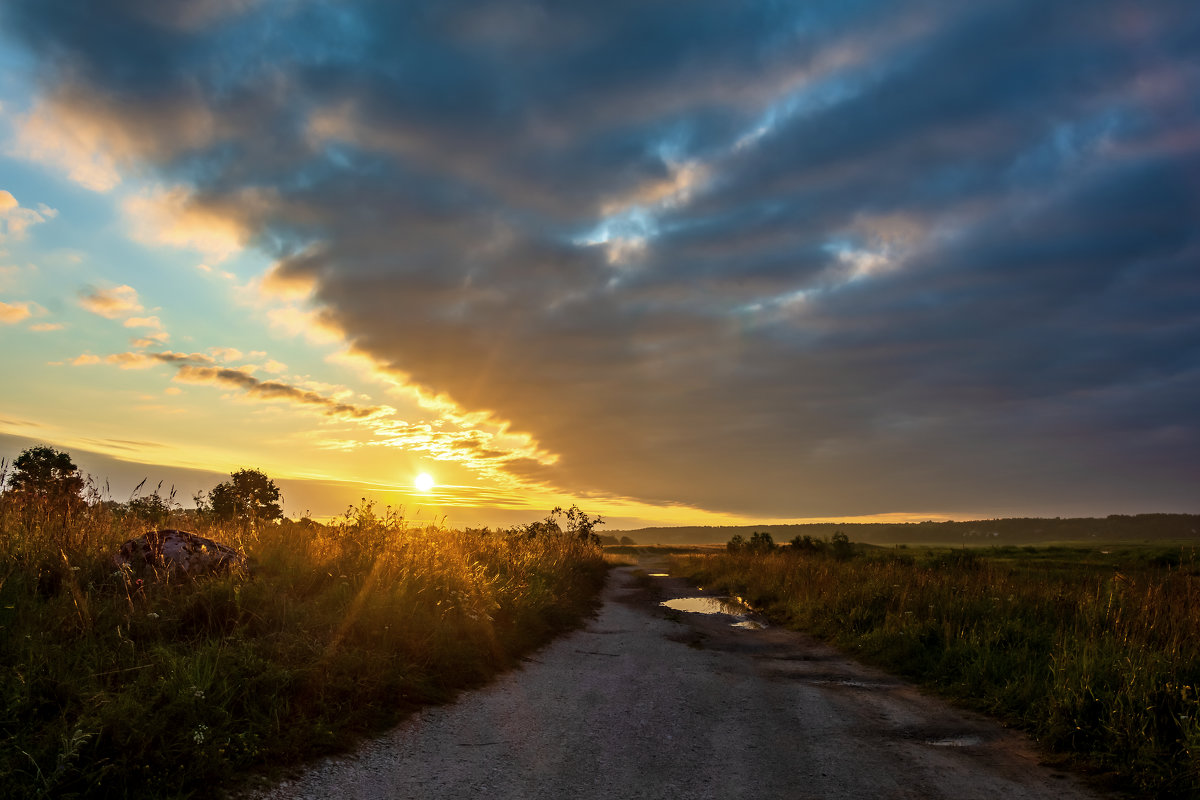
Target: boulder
{"points": [[171, 550]]}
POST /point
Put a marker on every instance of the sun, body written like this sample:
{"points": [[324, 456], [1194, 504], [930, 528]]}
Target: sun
{"points": [[423, 482]]}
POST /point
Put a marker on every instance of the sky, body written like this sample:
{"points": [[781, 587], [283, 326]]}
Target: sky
{"points": [[693, 263]]}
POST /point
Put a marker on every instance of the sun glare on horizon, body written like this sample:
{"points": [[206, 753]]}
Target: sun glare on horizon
{"points": [[424, 482]]}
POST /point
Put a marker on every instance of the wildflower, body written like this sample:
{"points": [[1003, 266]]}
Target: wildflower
{"points": [[152, 615], [199, 734], [197, 693]]}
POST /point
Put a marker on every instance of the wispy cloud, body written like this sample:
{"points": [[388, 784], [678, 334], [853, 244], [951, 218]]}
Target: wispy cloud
{"points": [[274, 391]]}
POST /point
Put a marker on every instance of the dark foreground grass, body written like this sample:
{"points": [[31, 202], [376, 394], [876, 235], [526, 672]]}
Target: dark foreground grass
{"points": [[115, 687], [1095, 654]]}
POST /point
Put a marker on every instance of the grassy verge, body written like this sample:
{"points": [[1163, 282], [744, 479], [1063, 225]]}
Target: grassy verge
{"points": [[114, 687], [1096, 654]]}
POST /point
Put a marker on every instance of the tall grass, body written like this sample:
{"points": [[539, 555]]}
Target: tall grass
{"points": [[1100, 660], [118, 686]]}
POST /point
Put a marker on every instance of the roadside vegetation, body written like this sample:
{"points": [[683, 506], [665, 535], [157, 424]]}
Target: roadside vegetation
{"points": [[1095, 652], [122, 684]]}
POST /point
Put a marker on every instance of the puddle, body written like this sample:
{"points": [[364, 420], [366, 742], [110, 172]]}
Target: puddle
{"points": [[660, 574], [749, 625], [851, 684], [715, 605], [706, 605], [957, 741]]}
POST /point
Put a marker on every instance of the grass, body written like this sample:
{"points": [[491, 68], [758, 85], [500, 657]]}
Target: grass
{"points": [[111, 686], [1095, 653]]}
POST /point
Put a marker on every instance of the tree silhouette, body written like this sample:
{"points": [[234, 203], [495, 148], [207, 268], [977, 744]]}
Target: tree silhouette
{"points": [[579, 525], [840, 546], [44, 472], [248, 496]]}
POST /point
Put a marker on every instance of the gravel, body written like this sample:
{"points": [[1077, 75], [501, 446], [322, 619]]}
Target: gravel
{"points": [[652, 703]]}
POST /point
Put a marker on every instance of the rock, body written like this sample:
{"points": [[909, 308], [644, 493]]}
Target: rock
{"points": [[172, 550]]}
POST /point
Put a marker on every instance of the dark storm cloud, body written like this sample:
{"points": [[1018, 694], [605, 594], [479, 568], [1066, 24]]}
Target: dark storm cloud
{"points": [[852, 258]]}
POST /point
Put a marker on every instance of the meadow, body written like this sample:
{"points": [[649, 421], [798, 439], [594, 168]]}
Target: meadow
{"points": [[1095, 652], [119, 685]]}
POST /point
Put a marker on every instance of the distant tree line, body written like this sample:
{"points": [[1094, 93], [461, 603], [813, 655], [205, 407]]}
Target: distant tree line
{"points": [[838, 546], [984, 532]]}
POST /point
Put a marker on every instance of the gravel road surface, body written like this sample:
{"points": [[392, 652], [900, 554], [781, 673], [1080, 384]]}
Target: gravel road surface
{"points": [[647, 702]]}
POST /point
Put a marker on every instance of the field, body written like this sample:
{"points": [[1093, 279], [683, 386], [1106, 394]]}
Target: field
{"points": [[1095, 652], [118, 685]]}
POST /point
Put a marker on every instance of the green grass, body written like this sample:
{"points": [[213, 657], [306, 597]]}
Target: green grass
{"points": [[1096, 654], [167, 688]]}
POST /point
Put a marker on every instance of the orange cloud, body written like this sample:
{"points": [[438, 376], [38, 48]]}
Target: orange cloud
{"points": [[226, 353], [173, 216], [143, 322], [150, 340], [278, 283], [112, 303], [92, 137], [316, 326], [15, 312]]}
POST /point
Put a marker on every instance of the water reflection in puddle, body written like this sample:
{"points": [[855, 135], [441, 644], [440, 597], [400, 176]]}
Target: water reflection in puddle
{"points": [[715, 605], [660, 574], [957, 741]]}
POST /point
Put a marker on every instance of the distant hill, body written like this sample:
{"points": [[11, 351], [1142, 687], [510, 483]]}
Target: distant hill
{"points": [[986, 532]]}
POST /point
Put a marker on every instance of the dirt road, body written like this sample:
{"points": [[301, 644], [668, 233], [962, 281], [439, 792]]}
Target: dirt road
{"points": [[651, 703]]}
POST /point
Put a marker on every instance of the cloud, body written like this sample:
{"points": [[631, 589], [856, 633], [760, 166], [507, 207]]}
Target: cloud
{"points": [[782, 260], [317, 326], [43, 327], [16, 220], [11, 313], [94, 138], [112, 303], [174, 217], [226, 353], [154, 323], [274, 391]]}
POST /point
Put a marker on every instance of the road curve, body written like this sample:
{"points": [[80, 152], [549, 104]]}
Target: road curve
{"points": [[648, 703]]}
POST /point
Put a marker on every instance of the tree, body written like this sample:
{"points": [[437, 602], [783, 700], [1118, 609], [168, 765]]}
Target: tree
{"points": [[152, 509], [841, 546], [44, 472], [807, 544], [248, 496], [579, 525], [761, 542]]}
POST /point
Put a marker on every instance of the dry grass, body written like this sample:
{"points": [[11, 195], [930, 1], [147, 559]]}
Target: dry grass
{"points": [[115, 687], [1097, 656]]}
